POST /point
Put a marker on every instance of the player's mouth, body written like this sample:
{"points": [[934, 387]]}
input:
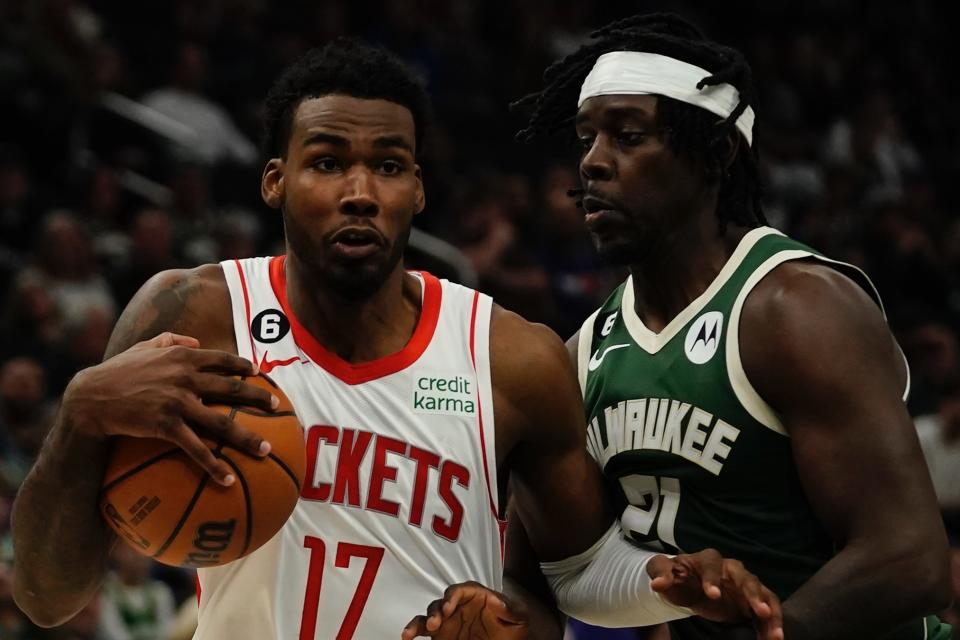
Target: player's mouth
{"points": [[600, 213], [356, 243]]}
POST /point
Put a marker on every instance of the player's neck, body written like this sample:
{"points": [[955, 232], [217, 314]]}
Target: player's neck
{"points": [[680, 268], [356, 330]]}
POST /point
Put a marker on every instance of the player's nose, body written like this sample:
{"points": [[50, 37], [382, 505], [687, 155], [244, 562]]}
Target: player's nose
{"points": [[359, 196], [597, 162]]}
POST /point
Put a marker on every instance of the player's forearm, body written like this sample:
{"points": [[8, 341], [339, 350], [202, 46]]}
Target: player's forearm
{"points": [[608, 585], [866, 592], [60, 541]]}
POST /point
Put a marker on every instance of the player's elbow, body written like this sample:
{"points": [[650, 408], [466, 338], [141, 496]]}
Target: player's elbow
{"points": [[936, 588], [928, 572], [40, 605]]}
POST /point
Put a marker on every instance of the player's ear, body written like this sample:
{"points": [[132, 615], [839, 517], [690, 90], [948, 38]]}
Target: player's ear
{"points": [[271, 183], [733, 145], [421, 196]]}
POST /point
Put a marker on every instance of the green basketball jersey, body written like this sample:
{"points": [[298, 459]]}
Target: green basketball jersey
{"points": [[697, 457]]}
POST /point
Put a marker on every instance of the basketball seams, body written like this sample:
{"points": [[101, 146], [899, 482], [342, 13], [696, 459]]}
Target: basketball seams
{"points": [[186, 514], [246, 500], [287, 470], [193, 502], [137, 469]]}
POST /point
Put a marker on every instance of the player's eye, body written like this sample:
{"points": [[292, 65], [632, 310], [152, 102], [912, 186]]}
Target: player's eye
{"points": [[326, 163], [391, 167], [631, 138]]}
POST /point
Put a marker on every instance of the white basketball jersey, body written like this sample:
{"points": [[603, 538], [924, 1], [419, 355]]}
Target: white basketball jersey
{"points": [[400, 494]]}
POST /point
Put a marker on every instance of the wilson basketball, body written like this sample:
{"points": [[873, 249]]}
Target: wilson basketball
{"points": [[165, 506]]}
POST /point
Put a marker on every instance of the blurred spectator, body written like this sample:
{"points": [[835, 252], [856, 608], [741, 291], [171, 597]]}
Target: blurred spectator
{"points": [[874, 142], [25, 414], [135, 606], [489, 238], [217, 138], [12, 624], [29, 319], [17, 210], [151, 249], [66, 265], [577, 283], [85, 339], [238, 234]]}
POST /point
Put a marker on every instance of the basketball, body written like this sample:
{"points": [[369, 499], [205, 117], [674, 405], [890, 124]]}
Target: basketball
{"points": [[168, 508]]}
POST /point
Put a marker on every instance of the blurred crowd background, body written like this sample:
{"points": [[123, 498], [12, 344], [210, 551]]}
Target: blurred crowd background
{"points": [[129, 144]]}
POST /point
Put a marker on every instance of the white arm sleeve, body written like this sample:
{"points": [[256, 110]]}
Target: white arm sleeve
{"points": [[607, 585]]}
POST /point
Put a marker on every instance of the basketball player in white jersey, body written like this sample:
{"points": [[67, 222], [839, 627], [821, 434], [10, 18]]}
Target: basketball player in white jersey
{"points": [[417, 396]]}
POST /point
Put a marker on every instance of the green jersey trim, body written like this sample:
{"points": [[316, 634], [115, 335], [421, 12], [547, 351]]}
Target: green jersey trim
{"points": [[746, 394], [584, 347], [756, 406], [652, 342]]}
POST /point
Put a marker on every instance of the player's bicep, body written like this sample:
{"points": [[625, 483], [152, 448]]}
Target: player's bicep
{"points": [[835, 381], [556, 487]]}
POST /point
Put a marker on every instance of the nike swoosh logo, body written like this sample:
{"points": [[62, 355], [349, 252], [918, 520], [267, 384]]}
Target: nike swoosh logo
{"points": [[597, 359], [266, 366]]}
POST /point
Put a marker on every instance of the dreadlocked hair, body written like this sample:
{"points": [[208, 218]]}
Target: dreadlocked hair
{"points": [[690, 132]]}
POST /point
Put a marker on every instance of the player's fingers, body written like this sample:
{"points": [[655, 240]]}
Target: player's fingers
{"points": [[746, 587], [451, 598], [219, 425], [231, 390], [434, 615], [168, 339], [218, 361], [660, 568], [709, 566], [771, 623], [663, 583], [186, 439], [504, 611], [415, 628]]}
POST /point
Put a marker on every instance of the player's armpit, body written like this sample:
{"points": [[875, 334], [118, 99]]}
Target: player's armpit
{"points": [[821, 355]]}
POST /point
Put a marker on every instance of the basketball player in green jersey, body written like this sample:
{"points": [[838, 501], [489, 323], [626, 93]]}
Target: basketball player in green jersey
{"points": [[743, 392]]}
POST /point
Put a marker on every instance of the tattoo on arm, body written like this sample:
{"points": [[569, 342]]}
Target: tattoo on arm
{"points": [[166, 310]]}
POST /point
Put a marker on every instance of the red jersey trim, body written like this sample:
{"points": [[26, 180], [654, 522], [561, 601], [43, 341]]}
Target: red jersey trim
{"points": [[483, 440], [246, 306], [358, 373]]}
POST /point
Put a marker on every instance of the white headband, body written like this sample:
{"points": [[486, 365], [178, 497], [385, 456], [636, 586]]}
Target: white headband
{"points": [[639, 73]]}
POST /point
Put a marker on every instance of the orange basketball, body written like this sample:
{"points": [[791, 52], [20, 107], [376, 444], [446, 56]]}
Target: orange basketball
{"points": [[165, 506]]}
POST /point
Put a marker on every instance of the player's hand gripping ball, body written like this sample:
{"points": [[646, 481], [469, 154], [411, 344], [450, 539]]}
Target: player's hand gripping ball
{"points": [[164, 505]]}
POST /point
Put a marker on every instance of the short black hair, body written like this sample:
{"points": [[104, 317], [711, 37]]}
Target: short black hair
{"points": [[690, 132], [346, 66]]}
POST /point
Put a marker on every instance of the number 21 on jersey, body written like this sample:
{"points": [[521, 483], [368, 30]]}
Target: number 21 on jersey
{"points": [[652, 510]]}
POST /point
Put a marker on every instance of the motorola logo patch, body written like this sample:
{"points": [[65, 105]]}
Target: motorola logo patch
{"points": [[703, 338]]}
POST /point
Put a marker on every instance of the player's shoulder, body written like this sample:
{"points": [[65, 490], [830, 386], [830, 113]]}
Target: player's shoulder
{"points": [[517, 342], [194, 302], [809, 288], [535, 386], [206, 279], [804, 314]]}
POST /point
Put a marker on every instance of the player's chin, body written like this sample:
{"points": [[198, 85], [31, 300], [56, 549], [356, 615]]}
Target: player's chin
{"points": [[615, 251], [357, 280]]}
